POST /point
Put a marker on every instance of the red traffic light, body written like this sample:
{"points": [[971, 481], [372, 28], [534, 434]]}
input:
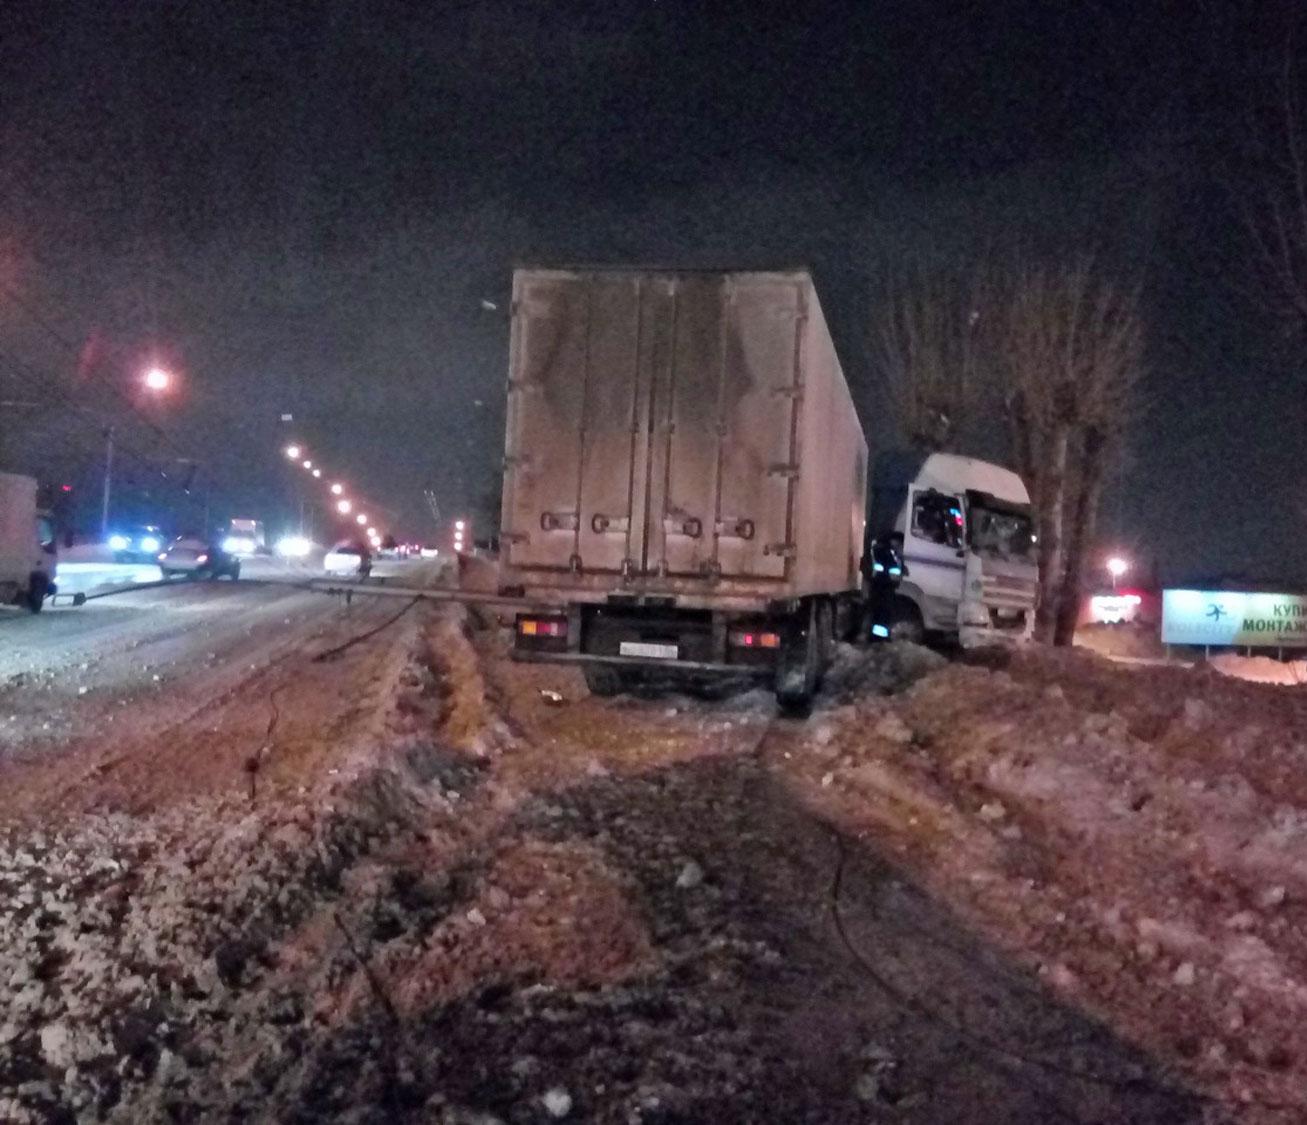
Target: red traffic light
{"points": [[65, 488]]}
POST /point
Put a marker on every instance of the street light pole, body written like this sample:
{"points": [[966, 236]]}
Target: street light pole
{"points": [[108, 482]]}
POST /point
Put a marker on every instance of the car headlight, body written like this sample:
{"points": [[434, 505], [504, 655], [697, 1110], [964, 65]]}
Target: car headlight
{"points": [[293, 547], [149, 543], [121, 543]]}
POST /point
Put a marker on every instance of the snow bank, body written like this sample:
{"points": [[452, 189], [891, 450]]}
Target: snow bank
{"points": [[1260, 669]]}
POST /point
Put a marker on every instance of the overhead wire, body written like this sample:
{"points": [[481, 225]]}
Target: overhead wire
{"points": [[45, 323]]}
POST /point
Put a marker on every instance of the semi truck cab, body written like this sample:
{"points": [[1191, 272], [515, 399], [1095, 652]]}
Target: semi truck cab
{"points": [[968, 536]]}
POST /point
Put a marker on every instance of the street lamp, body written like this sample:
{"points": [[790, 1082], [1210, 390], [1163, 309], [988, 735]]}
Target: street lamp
{"points": [[337, 489], [343, 507], [361, 519], [317, 473], [1116, 567], [293, 452], [307, 464], [156, 380]]}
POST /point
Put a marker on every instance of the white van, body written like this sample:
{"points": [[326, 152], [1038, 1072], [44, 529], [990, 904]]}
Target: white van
{"points": [[28, 552], [968, 546]]}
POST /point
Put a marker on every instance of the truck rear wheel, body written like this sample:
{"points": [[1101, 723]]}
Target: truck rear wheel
{"points": [[603, 681], [799, 667], [36, 591]]}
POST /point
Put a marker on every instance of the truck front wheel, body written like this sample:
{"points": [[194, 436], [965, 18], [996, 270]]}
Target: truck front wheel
{"points": [[36, 591], [907, 623]]}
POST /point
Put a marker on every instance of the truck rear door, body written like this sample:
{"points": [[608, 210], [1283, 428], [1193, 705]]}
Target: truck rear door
{"points": [[651, 424], [573, 426]]}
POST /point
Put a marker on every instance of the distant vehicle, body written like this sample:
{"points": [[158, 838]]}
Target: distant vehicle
{"points": [[244, 537], [686, 475], [137, 544], [192, 556], [28, 551], [968, 542], [348, 558]]}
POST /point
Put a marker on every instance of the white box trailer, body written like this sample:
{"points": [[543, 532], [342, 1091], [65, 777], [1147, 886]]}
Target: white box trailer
{"points": [[685, 474], [28, 552]]}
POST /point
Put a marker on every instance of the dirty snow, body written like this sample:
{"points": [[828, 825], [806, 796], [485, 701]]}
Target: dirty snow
{"points": [[1036, 886]]}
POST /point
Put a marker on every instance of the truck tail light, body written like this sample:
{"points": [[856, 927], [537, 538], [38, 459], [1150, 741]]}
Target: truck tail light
{"points": [[754, 640], [542, 626]]}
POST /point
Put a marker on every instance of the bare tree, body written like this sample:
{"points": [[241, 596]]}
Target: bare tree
{"points": [[925, 341], [1274, 206], [1069, 347]]}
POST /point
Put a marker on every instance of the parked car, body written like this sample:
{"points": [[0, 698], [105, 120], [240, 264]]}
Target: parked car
{"points": [[196, 558], [348, 558]]}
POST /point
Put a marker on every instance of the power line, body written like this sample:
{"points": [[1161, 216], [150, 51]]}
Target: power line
{"points": [[44, 322]]}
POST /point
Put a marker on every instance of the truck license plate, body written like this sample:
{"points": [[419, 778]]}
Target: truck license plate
{"points": [[649, 651]]}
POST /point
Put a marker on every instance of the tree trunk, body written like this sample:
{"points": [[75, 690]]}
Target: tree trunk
{"points": [[1049, 516], [1083, 519]]}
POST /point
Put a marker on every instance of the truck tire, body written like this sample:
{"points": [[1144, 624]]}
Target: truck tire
{"points": [[825, 639], [36, 591], [603, 681], [907, 624], [799, 667]]}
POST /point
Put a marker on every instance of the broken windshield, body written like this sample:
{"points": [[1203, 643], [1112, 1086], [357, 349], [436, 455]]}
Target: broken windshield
{"points": [[1007, 532]]}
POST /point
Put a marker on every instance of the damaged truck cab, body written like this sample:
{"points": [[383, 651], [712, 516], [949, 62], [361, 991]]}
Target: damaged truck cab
{"points": [[968, 540]]}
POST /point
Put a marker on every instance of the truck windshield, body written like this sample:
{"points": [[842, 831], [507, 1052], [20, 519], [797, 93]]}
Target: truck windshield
{"points": [[1007, 533]]}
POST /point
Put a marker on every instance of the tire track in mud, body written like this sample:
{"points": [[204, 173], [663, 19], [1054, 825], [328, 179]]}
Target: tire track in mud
{"points": [[558, 767]]}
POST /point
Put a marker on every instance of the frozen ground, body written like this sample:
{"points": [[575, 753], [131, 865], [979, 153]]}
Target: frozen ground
{"points": [[396, 880]]}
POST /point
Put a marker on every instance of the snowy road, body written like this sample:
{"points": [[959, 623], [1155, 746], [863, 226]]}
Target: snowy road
{"points": [[150, 675]]}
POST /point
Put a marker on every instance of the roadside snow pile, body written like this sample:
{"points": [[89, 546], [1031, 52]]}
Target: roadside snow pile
{"points": [[881, 669], [1261, 669], [1139, 832]]}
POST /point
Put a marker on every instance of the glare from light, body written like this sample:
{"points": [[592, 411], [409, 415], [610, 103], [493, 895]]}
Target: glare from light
{"points": [[362, 519], [317, 473], [343, 507], [157, 379], [293, 547], [121, 543], [337, 489], [238, 545], [293, 452], [1117, 566], [149, 543]]}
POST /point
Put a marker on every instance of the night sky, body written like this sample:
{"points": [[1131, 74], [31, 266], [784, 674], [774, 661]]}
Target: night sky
{"points": [[305, 207]]}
